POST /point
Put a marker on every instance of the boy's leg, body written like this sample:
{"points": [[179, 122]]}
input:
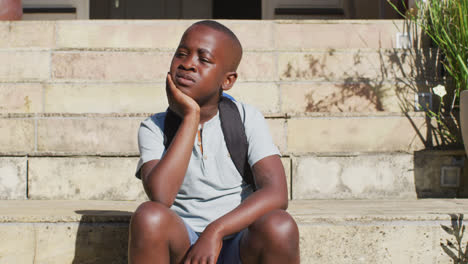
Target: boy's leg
{"points": [[157, 235], [273, 238]]}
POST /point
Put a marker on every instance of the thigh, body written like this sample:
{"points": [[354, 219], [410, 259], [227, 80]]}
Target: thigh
{"points": [[180, 239]]}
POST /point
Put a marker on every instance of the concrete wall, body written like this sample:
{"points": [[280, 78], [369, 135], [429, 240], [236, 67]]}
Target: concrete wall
{"points": [[72, 94]]}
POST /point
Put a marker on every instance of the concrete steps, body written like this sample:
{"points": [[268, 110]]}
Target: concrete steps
{"points": [[72, 95], [332, 231], [356, 175]]}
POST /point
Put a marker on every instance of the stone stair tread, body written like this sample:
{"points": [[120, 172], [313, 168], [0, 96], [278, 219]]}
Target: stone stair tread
{"points": [[304, 211], [54, 211]]}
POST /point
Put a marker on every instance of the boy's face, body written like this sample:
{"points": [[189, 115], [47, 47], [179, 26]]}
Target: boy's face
{"points": [[198, 67]]}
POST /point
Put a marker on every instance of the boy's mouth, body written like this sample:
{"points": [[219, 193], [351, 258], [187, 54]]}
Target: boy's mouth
{"points": [[184, 79]]}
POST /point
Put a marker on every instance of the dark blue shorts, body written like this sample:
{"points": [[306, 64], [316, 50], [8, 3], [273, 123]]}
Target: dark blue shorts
{"points": [[230, 252]]}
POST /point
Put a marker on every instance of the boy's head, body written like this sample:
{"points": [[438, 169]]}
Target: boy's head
{"points": [[206, 61]]}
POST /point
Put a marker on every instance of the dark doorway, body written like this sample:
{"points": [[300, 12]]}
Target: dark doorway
{"points": [[150, 9], [240, 9]]}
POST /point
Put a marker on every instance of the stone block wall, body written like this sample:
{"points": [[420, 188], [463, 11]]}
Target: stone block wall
{"points": [[72, 95]]}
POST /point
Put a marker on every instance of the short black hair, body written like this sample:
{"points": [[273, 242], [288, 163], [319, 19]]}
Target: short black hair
{"points": [[222, 28]]}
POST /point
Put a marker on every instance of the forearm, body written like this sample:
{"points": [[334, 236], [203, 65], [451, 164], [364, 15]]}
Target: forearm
{"points": [[164, 180], [271, 194], [256, 205]]}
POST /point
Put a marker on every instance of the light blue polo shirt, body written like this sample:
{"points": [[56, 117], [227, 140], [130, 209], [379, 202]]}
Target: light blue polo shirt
{"points": [[212, 185]]}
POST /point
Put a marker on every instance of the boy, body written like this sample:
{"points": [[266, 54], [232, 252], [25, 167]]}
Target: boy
{"points": [[201, 210]]}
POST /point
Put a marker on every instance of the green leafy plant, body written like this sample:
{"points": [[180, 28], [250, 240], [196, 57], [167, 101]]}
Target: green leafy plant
{"points": [[445, 22]]}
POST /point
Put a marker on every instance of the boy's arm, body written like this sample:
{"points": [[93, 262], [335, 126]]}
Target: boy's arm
{"points": [[162, 178], [271, 194]]}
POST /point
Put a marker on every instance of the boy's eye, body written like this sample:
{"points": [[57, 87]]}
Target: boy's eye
{"points": [[205, 60], [180, 54]]}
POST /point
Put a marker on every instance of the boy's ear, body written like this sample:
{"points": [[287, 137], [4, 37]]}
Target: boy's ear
{"points": [[229, 80]]}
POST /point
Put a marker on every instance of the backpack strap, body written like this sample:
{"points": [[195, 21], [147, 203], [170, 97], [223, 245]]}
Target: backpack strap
{"points": [[171, 125], [234, 135]]}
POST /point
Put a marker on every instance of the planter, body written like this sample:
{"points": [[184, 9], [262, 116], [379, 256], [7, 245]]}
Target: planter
{"points": [[464, 118], [435, 174], [11, 10]]}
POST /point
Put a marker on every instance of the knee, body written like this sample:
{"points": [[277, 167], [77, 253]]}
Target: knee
{"points": [[276, 228], [150, 217]]}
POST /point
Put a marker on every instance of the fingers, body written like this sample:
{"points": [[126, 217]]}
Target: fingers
{"points": [[179, 102], [211, 260], [170, 86], [172, 90], [201, 260], [170, 82], [195, 256], [174, 95]]}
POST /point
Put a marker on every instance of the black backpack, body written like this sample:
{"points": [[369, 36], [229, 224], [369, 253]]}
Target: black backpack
{"points": [[234, 135]]}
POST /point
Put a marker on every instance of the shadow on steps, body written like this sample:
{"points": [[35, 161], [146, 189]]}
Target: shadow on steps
{"points": [[102, 237], [456, 247]]}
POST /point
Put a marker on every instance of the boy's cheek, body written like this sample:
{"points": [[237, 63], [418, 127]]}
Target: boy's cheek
{"points": [[172, 67]]}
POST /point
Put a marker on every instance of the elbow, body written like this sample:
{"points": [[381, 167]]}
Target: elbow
{"points": [[277, 197], [164, 202], [283, 204], [159, 196], [280, 201], [283, 198]]}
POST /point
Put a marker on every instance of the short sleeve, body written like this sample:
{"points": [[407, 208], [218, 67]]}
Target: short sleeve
{"points": [[261, 144], [150, 140]]}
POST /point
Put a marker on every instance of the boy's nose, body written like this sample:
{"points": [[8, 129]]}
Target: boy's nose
{"points": [[188, 64]]}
